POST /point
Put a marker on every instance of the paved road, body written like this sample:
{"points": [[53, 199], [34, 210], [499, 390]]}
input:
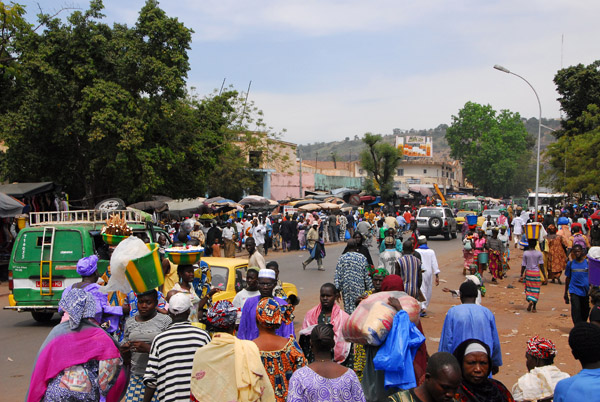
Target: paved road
{"points": [[21, 336]]}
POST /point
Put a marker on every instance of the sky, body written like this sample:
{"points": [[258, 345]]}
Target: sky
{"points": [[324, 70]]}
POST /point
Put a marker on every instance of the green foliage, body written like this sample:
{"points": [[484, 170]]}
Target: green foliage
{"points": [[380, 160], [579, 86], [574, 162], [494, 148], [104, 111]]}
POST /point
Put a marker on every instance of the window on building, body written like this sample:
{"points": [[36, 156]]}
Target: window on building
{"points": [[424, 171], [452, 175], [400, 172], [360, 171], [254, 159]]}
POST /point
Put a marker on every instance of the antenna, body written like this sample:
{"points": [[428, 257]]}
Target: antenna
{"points": [[222, 85]]}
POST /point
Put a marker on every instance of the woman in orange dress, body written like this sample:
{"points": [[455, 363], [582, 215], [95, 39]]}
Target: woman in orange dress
{"points": [[280, 356], [557, 255]]}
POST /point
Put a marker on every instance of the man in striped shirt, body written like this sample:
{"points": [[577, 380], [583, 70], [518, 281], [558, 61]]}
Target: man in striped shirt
{"points": [[409, 268], [171, 356]]}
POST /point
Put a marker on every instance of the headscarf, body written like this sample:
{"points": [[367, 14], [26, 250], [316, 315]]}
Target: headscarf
{"points": [[541, 348], [392, 282], [372, 271], [87, 265], [222, 315], [551, 229], [487, 390], [270, 314], [79, 304]]}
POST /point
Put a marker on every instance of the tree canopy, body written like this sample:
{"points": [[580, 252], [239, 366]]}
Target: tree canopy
{"points": [[380, 160], [104, 110], [494, 148], [573, 159]]}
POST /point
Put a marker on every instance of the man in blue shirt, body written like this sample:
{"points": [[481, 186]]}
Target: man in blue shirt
{"points": [[577, 285], [584, 341], [470, 320]]}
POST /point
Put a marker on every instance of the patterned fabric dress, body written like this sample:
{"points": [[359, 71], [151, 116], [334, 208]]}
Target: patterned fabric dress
{"points": [[360, 355], [308, 386], [495, 263], [557, 259], [532, 259], [281, 364], [352, 278]]}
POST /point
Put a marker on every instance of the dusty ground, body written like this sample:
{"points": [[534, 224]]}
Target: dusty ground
{"points": [[515, 324]]}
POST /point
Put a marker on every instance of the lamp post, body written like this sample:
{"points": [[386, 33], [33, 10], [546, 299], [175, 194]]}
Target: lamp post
{"points": [[537, 165]]}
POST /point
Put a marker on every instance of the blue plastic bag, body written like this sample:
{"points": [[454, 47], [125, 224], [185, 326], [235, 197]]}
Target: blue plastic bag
{"points": [[347, 235], [395, 357]]}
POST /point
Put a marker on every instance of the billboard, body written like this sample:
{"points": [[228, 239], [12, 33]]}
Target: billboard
{"points": [[415, 146]]}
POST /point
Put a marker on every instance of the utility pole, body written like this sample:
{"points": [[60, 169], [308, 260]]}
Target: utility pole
{"points": [[300, 179]]}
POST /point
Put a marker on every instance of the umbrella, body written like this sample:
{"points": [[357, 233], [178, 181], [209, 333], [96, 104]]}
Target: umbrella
{"points": [[329, 206], [255, 201], [28, 189], [300, 203], [309, 207], [155, 206], [424, 191], [334, 200], [186, 206], [9, 206]]}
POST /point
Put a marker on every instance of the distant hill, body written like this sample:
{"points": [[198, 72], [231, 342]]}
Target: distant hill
{"points": [[350, 148]]}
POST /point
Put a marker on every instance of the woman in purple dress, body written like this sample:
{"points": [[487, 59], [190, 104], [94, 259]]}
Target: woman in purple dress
{"points": [[324, 380]]}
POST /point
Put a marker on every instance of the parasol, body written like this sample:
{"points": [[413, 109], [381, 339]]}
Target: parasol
{"points": [[309, 207]]}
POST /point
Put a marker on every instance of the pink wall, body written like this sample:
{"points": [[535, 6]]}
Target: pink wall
{"points": [[284, 185]]}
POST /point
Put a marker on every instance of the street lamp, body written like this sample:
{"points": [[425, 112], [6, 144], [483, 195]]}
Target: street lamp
{"points": [[537, 165]]}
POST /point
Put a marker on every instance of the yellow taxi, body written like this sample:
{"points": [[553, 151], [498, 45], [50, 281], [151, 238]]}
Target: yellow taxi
{"points": [[229, 274], [460, 217]]}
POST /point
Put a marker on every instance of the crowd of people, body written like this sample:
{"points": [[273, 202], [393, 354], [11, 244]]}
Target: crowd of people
{"points": [[174, 343]]}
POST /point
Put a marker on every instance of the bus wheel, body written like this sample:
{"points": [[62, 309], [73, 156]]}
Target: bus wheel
{"points": [[40, 316]]}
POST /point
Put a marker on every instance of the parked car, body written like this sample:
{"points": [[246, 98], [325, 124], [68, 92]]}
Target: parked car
{"points": [[44, 258], [494, 213], [432, 221], [229, 274]]}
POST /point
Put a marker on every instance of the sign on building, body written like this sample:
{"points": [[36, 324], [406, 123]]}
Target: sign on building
{"points": [[415, 146]]}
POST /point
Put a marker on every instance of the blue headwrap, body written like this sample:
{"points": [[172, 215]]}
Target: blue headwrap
{"points": [[87, 265], [79, 304]]}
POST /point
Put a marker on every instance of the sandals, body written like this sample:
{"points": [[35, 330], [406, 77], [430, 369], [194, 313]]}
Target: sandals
{"points": [[530, 306]]}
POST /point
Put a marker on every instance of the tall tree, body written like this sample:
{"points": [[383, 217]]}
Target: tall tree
{"points": [[104, 110], [380, 160], [574, 164], [579, 87], [494, 148]]}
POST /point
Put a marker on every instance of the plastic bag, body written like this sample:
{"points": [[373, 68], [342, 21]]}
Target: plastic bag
{"points": [[347, 235], [370, 323], [129, 249], [397, 353]]}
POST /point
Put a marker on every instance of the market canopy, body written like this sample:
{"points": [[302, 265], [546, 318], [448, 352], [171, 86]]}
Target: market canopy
{"points": [[9, 206], [309, 207], [21, 190], [185, 207], [255, 201], [155, 206], [423, 190], [328, 206]]}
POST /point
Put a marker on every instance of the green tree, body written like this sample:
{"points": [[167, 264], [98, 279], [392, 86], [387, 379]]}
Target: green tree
{"points": [[380, 160], [579, 87], [573, 159], [494, 148]]}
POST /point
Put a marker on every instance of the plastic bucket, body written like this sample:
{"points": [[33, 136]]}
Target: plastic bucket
{"points": [[184, 257], [532, 231], [594, 271], [471, 219], [145, 273], [482, 258], [21, 222], [113, 240]]}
